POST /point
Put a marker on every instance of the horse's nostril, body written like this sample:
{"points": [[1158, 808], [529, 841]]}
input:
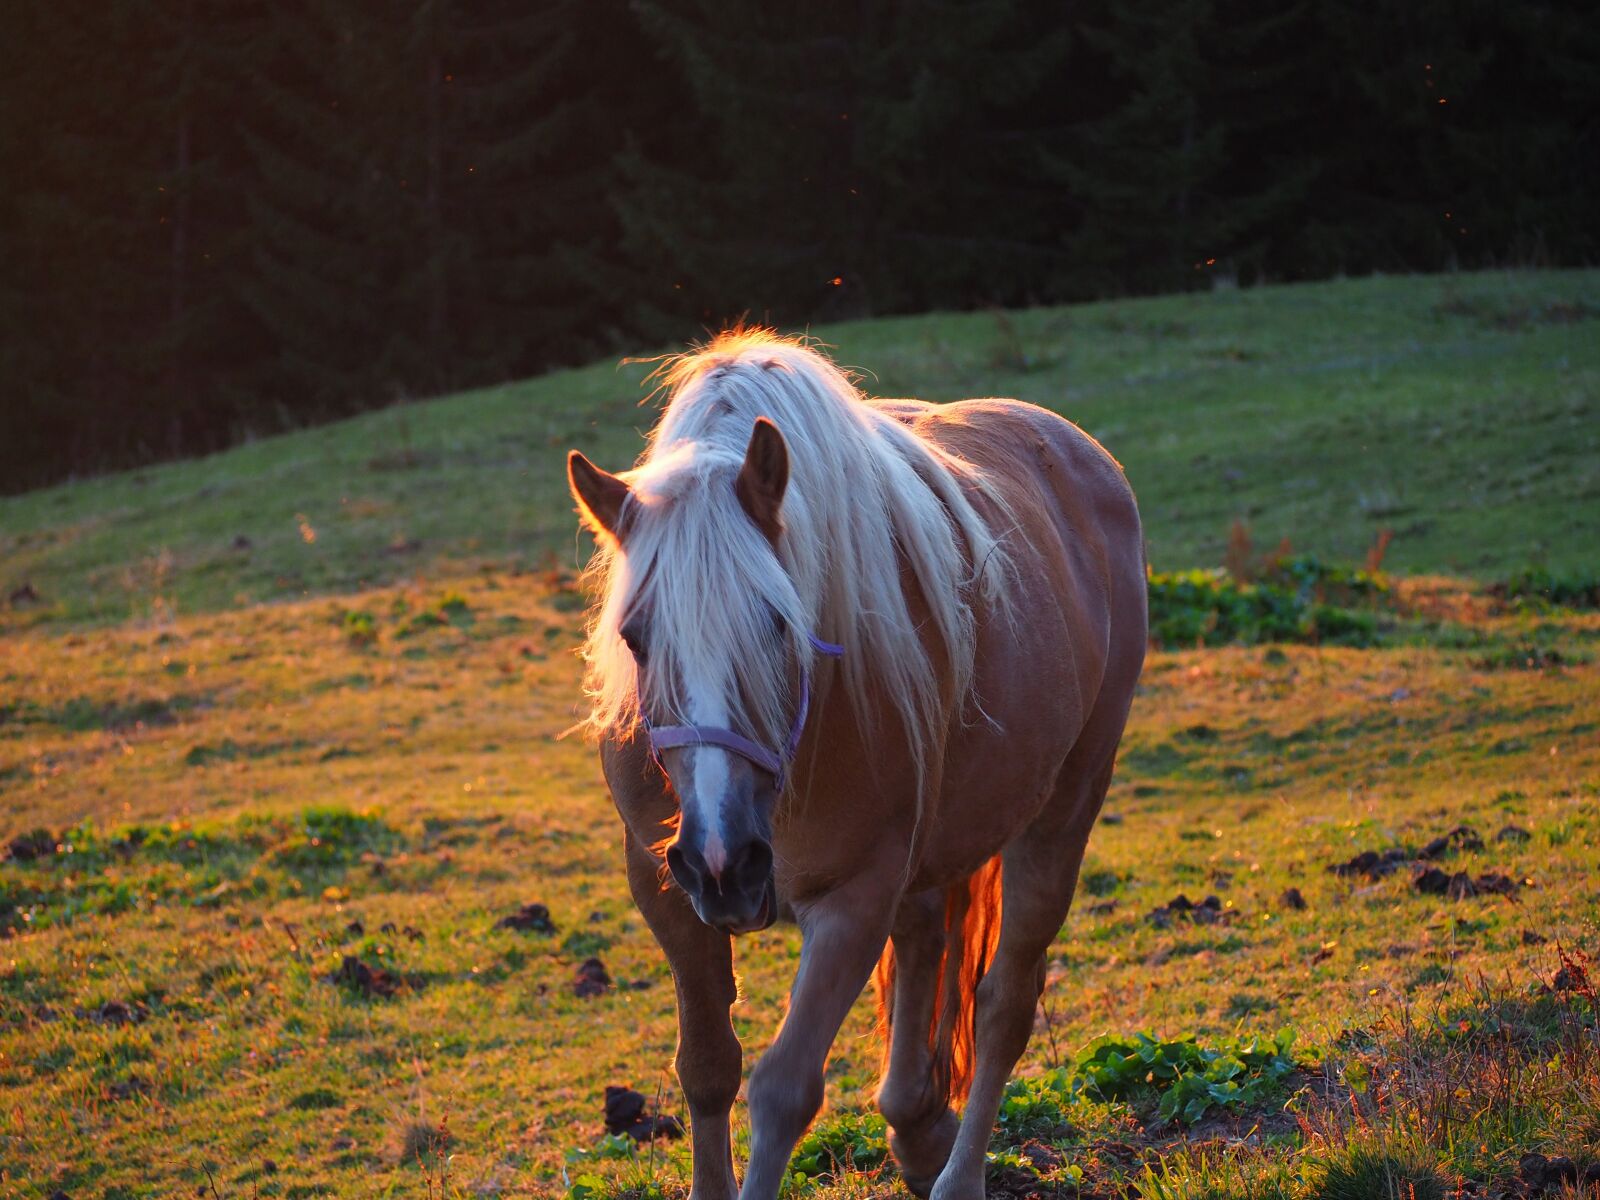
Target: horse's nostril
{"points": [[750, 865], [686, 866]]}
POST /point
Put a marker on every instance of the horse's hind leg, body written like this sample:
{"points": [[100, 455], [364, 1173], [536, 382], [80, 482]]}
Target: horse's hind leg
{"points": [[1040, 873], [918, 1112]]}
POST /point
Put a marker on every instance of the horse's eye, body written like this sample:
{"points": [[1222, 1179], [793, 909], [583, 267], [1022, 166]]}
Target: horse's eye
{"points": [[633, 639]]}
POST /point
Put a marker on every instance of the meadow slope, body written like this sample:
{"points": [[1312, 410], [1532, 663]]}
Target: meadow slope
{"points": [[1458, 411], [280, 747]]}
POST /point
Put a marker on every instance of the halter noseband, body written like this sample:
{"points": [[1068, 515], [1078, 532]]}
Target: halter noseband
{"points": [[672, 737]]}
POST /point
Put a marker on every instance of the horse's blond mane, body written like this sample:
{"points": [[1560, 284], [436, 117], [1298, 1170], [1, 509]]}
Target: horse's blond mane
{"points": [[866, 500]]}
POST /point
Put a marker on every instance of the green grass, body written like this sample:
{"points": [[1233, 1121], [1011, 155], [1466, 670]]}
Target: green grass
{"points": [[1462, 412], [239, 799]]}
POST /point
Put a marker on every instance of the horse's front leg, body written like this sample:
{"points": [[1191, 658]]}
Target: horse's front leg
{"points": [[708, 1059], [844, 933]]}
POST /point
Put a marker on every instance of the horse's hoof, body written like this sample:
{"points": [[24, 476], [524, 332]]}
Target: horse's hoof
{"points": [[959, 1189], [923, 1154]]}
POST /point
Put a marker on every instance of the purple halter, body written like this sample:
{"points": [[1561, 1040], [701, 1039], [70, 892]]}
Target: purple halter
{"points": [[673, 737]]}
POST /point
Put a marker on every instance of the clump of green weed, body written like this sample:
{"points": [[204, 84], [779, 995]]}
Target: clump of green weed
{"points": [[636, 1179], [315, 1099], [360, 628], [597, 1187], [1539, 585], [323, 838], [1102, 882], [584, 943], [1184, 1079], [845, 1141], [1194, 608], [1189, 1079], [1038, 1106], [612, 1145], [1017, 1173], [452, 609], [1206, 1173]]}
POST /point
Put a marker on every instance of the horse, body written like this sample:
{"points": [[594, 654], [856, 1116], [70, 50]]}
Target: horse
{"points": [[867, 662]]}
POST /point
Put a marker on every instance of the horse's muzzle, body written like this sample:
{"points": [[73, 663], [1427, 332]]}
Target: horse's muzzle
{"points": [[741, 898]]}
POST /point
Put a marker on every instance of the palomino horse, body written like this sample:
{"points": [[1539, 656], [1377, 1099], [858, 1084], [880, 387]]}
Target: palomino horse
{"points": [[871, 659]]}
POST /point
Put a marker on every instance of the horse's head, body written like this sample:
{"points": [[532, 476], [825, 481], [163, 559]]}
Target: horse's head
{"points": [[701, 646]]}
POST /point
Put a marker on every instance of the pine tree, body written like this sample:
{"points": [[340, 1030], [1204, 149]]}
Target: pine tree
{"points": [[427, 193], [531, 128], [336, 223], [1183, 161], [202, 48], [839, 158], [1140, 168], [1381, 130], [91, 249], [1454, 134]]}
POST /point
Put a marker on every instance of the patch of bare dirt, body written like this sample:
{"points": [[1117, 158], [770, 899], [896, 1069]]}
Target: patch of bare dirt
{"points": [[1209, 911], [626, 1113], [530, 918], [591, 979]]}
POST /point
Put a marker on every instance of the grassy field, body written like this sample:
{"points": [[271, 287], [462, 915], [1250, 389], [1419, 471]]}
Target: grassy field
{"points": [[300, 704]]}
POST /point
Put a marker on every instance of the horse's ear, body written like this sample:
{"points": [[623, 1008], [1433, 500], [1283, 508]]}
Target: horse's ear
{"points": [[763, 477], [600, 496]]}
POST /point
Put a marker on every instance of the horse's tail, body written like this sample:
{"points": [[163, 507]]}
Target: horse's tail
{"points": [[971, 932]]}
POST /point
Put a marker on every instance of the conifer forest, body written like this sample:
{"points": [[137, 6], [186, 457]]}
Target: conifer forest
{"points": [[224, 218]]}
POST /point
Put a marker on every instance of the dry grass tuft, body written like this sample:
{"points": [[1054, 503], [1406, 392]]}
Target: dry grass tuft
{"points": [[414, 1138], [1469, 1091], [1433, 1107]]}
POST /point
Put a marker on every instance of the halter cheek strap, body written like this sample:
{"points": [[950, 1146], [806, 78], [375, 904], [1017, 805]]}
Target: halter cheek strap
{"points": [[775, 763]]}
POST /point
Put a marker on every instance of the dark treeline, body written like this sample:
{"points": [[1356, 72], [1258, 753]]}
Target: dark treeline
{"points": [[225, 217]]}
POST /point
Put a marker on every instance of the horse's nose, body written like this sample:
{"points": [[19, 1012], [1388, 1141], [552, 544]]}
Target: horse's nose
{"points": [[744, 871]]}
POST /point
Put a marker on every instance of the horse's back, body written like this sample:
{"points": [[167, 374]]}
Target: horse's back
{"points": [[1032, 454], [1056, 674]]}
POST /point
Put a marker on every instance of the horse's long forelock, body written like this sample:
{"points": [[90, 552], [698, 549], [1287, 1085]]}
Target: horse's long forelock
{"points": [[866, 498]]}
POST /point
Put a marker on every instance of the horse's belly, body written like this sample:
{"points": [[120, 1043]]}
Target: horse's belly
{"points": [[1042, 672], [999, 775]]}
